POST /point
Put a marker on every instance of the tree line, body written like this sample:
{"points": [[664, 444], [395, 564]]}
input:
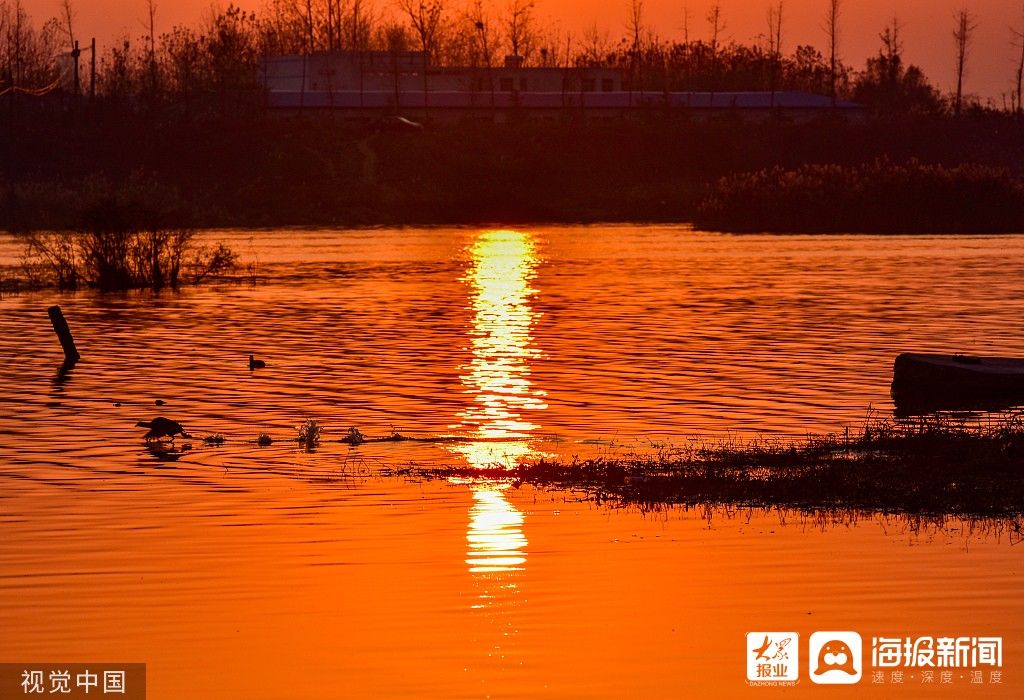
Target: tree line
{"points": [[215, 61]]}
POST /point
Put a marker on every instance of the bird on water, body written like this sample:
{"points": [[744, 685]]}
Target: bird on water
{"points": [[256, 364], [161, 427]]}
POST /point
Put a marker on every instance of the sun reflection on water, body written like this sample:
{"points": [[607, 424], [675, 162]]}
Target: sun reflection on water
{"points": [[501, 270], [502, 267], [495, 536]]}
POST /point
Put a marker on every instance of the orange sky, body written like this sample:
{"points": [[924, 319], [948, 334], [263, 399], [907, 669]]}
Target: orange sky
{"points": [[927, 25]]}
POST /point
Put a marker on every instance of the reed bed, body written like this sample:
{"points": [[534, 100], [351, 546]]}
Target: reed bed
{"points": [[874, 197]]}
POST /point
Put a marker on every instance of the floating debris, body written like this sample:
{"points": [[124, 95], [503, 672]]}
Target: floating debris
{"points": [[160, 402], [215, 439], [264, 440]]}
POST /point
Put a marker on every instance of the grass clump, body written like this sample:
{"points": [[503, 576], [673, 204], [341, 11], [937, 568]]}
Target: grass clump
{"points": [[876, 197], [933, 466], [308, 433], [354, 437]]}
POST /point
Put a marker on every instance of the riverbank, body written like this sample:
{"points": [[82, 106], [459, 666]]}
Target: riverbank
{"points": [[316, 170]]}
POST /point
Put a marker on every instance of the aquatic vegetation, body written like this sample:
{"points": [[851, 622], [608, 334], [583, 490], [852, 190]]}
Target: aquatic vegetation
{"points": [[934, 465], [215, 439], [119, 260], [354, 437], [264, 440], [309, 433], [876, 197], [121, 236]]}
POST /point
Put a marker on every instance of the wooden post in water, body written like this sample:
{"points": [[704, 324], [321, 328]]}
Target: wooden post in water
{"points": [[60, 326]]}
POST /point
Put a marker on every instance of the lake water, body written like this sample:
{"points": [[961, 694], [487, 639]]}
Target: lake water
{"points": [[242, 571]]}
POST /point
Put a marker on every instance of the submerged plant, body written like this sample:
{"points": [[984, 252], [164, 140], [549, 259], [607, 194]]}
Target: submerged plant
{"points": [[309, 433]]}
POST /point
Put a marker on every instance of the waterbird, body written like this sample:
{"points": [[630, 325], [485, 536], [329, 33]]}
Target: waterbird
{"points": [[161, 427], [256, 364]]}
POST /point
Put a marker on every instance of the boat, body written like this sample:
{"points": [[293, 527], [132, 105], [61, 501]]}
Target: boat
{"points": [[925, 382]]}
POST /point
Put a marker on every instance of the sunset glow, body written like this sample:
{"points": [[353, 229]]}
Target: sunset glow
{"points": [[533, 349], [927, 26]]}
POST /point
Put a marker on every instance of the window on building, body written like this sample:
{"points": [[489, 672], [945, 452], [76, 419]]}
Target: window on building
{"points": [[505, 84], [588, 85], [607, 85]]}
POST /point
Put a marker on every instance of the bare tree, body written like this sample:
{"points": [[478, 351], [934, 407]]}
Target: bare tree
{"points": [[151, 65], [67, 27], [636, 29], [396, 39], [892, 43], [775, 17], [717, 26], [963, 34], [594, 46], [520, 30], [358, 28], [833, 13], [1018, 35], [68, 22], [309, 27], [483, 30], [425, 20]]}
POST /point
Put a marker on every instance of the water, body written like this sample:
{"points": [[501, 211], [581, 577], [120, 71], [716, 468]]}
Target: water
{"points": [[249, 572]]}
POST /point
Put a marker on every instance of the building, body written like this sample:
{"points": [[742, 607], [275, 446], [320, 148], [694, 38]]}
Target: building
{"points": [[369, 84]]}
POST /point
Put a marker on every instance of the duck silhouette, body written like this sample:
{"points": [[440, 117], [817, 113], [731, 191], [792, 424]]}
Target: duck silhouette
{"points": [[161, 427], [256, 364]]}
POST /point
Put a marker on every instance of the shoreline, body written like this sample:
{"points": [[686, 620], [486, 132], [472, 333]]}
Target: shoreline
{"points": [[317, 171]]}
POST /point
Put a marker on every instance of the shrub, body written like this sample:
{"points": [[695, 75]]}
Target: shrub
{"points": [[121, 238]]}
